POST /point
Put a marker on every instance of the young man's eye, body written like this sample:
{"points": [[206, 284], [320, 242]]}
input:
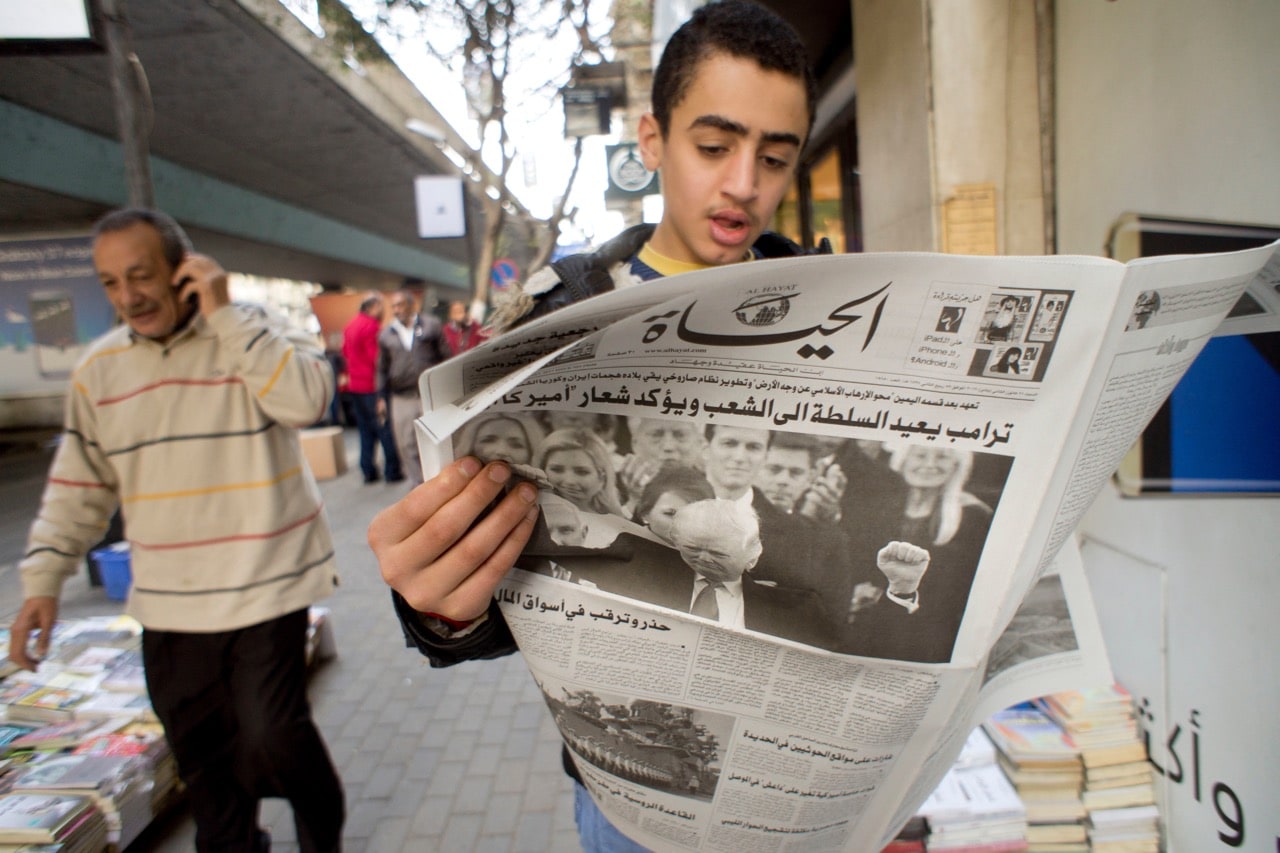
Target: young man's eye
{"points": [[776, 164], [712, 150]]}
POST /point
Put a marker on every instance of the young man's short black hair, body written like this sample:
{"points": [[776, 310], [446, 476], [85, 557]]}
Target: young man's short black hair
{"points": [[174, 241], [739, 28]]}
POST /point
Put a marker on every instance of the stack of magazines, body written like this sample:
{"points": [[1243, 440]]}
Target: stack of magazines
{"points": [[1119, 790], [1044, 766], [976, 807]]}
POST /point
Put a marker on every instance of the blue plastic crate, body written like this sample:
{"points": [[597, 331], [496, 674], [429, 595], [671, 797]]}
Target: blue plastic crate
{"points": [[113, 566]]}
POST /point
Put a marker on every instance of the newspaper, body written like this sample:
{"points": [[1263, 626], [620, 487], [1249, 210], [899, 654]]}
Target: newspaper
{"points": [[824, 701]]}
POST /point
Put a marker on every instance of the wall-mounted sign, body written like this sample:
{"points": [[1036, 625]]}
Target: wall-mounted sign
{"points": [[46, 26], [440, 207], [628, 178], [51, 306]]}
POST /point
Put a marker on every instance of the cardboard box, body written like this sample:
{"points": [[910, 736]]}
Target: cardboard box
{"points": [[325, 450]]}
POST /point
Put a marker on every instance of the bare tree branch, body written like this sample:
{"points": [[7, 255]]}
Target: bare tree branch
{"points": [[486, 43]]}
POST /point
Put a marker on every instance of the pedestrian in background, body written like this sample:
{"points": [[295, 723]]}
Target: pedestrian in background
{"points": [[461, 333], [360, 349], [409, 344], [186, 416]]}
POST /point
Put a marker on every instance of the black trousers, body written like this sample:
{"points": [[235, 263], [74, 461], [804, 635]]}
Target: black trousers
{"points": [[235, 711]]}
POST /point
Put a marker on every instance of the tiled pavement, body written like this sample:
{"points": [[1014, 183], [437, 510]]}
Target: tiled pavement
{"points": [[458, 759]]}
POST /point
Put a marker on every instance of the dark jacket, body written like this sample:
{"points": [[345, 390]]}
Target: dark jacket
{"points": [[398, 368], [651, 572], [579, 277]]}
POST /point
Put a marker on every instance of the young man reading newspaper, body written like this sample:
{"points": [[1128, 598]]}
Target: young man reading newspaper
{"points": [[733, 101]]}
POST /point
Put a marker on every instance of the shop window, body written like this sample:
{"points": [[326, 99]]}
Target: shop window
{"points": [[826, 210], [786, 221]]}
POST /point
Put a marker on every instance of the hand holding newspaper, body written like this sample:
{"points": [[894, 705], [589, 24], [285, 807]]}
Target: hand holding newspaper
{"points": [[803, 520]]}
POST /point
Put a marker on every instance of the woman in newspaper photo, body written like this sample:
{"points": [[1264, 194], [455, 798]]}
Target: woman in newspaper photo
{"points": [[938, 514], [1009, 361], [579, 468], [501, 436]]}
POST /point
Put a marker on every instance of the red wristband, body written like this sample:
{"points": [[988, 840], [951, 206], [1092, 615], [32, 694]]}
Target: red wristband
{"points": [[452, 623]]}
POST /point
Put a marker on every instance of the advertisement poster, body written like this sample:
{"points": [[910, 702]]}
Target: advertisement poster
{"points": [[51, 306]]}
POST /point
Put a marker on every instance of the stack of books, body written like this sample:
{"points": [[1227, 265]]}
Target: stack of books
{"points": [[117, 784], [144, 739], [68, 824], [85, 711], [911, 838], [54, 737], [1119, 783], [1045, 768], [975, 808]]}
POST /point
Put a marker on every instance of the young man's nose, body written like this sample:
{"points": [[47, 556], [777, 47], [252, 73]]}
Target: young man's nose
{"points": [[741, 176]]}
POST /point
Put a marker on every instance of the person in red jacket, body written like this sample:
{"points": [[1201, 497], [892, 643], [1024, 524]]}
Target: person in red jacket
{"points": [[360, 349], [461, 333]]}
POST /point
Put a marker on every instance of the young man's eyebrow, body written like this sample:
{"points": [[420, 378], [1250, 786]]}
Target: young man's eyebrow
{"points": [[738, 129]]}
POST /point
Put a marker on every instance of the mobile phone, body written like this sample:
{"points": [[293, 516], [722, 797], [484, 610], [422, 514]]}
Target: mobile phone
{"points": [[192, 299]]}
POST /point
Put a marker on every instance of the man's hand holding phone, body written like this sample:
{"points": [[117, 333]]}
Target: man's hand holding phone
{"points": [[201, 282]]}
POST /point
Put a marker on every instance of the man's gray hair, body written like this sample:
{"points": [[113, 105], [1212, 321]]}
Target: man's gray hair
{"points": [[722, 515]]}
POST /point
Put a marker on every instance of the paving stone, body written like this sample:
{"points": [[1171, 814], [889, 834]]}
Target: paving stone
{"points": [[460, 747], [501, 814], [543, 793], [513, 778], [383, 782], [363, 817], [432, 816], [487, 759], [391, 836], [461, 832], [447, 778], [422, 765], [533, 833], [405, 800]]}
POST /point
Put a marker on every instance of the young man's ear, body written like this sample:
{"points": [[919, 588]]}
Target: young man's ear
{"points": [[649, 135]]}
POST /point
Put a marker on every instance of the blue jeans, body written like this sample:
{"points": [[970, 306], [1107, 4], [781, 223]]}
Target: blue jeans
{"points": [[372, 433], [594, 830]]}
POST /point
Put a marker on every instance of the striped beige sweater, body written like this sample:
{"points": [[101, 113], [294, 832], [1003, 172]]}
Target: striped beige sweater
{"points": [[196, 440]]}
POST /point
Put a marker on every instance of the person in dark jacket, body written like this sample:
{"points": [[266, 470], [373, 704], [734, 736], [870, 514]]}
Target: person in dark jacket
{"points": [[408, 345], [732, 107]]}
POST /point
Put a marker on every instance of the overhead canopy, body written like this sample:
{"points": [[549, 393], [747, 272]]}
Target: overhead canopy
{"points": [[280, 158]]}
